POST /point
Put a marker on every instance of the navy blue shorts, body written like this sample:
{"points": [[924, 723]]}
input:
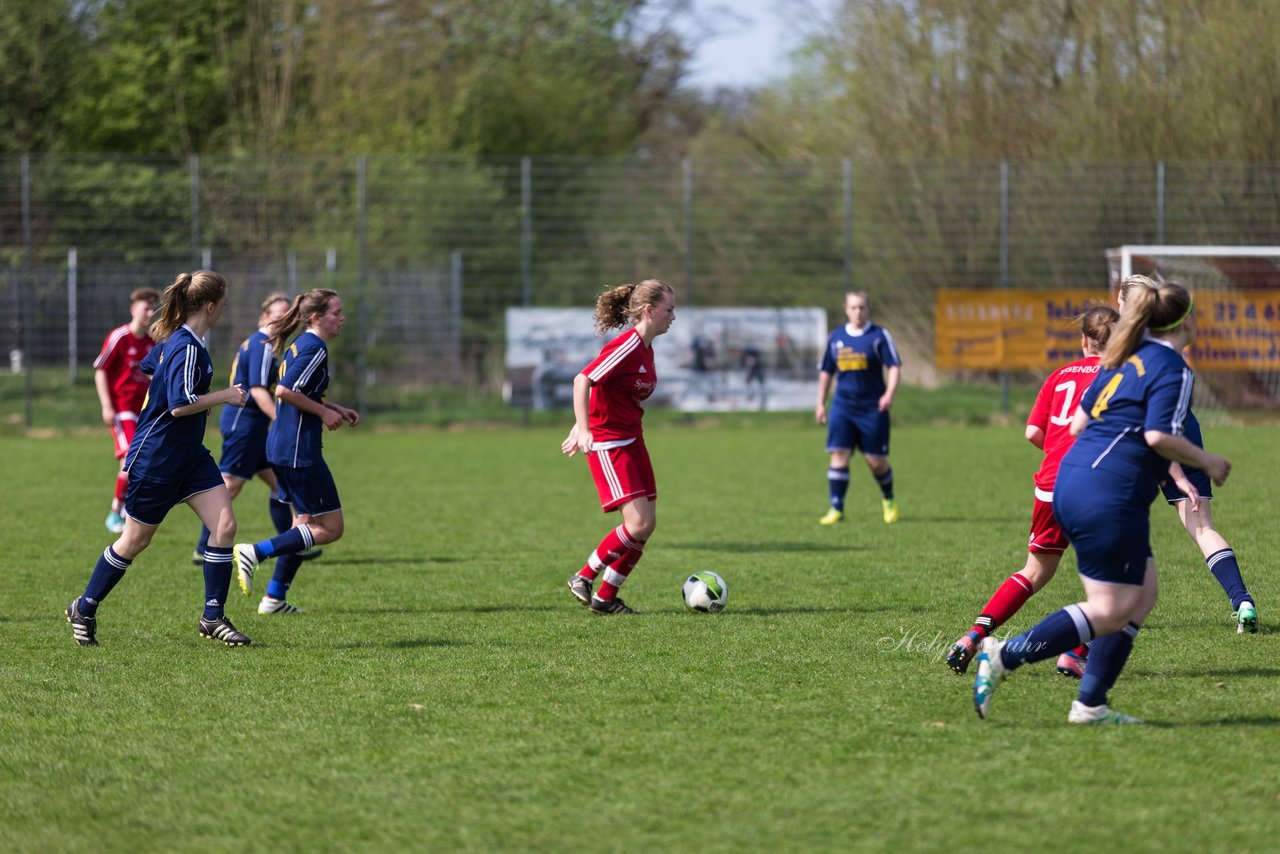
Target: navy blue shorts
{"points": [[149, 501], [244, 452], [864, 429], [1108, 524], [310, 490], [1198, 478]]}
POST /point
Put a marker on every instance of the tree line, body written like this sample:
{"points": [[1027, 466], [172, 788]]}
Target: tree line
{"points": [[901, 79]]}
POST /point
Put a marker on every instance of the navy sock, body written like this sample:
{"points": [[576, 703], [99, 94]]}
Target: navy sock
{"points": [[838, 484], [1062, 630], [286, 568], [203, 541], [106, 575], [1107, 656], [281, 514], [217, 580], [886, 482], [1224, 567], [290, 542]]}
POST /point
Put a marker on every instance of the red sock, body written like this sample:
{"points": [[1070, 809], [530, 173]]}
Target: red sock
{"points": [[610, 550], [1006, 601], [1082, 651], [122, 484], [617, 573]]}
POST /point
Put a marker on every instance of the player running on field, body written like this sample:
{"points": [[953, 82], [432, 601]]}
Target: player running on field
{"points": [[1128, 427], [167, 461], [1190, 491], [607, 398], [122, 386], [1048, 429], [294, 445]]}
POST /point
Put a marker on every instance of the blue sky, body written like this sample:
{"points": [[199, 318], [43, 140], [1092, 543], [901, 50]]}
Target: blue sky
{"points": [[756, 37]]}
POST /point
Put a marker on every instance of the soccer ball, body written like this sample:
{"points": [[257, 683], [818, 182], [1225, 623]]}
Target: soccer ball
{"points": [[706, 592]]}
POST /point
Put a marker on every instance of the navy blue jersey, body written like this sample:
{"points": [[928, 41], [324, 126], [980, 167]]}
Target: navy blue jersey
{"points": [[857, 358], [1150, 391], [254, 365], [164, 446], [295, 437]]}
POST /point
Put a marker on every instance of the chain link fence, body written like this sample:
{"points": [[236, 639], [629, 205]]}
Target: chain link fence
{"points": [[429, 252]]}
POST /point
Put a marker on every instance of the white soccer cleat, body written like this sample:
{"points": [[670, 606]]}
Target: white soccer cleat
{"points": [[246, 562], [278, 606], [991, 673], [1104, 714]]}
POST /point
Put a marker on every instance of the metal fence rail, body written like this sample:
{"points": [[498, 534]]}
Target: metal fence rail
{"points": [[428, 252]]}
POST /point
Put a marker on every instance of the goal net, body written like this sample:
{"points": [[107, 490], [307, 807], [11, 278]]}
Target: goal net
{"points": [[1236, 355]]}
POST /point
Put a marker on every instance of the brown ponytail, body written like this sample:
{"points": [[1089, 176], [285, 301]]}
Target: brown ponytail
{"points": [[617, 305], [189, 293], [303, 308], [1148, 306], [1096, 324]]}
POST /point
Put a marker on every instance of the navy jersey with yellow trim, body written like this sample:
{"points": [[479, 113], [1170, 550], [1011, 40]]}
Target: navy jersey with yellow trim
{"points": [[1151, 390], [164, 446], [857, 358], [295, 437], [254, 365]]}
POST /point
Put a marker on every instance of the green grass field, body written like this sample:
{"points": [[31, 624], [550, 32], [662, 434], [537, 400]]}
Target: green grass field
{"points": [[446, 693]]}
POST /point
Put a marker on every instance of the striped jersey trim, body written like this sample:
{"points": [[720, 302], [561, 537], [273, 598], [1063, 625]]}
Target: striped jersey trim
{"points": [[625, 349]]}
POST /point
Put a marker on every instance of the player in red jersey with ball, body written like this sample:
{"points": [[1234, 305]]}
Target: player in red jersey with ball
{"points": [[607, 398], [1048, 428], [122, 387]]}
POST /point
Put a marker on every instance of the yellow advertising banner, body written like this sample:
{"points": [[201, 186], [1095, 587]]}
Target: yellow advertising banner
{"points": [[1006, 329], [1236, 331], [993, 329]]}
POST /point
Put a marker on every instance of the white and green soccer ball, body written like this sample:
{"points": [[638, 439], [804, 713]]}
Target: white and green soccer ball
{"points": [[706, 592]]}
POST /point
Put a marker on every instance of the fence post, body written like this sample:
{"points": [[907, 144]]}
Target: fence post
{"points": [[24, 285], [1004, 267], [688, 231], [195, 209], [1160, 203], [847, 166], [72, 318], [455, 297], [291, 265], [526, 228], [362, 278]]}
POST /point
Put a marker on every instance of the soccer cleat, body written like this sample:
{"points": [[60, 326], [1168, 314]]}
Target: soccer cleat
{"points": [[609, 606], [221, 629], [197, 557], [311, 553], [1246, 619], [278, 606], [890, 506], [1104, 714], [962, 652], [1071, 665], [115, 523], [246, 563], [991, 673], [83, 629], [581, 588], [833, 516]]}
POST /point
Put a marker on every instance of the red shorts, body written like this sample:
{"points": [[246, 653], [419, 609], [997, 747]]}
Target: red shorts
{"points": [[622, 474], [126, 424], [1047, 536]]}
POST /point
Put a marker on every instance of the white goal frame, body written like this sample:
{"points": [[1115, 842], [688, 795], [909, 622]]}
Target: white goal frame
{"points": [[1127, 252]]}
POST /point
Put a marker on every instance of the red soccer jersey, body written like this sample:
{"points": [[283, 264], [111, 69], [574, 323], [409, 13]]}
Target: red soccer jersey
{"points": [[1055, 404], [624, 376], [121, 353]]}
